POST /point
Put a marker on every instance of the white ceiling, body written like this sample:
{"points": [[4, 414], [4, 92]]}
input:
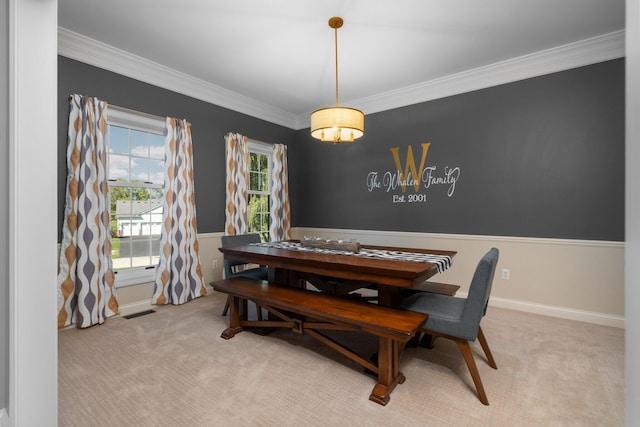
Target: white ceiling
{"points": [[279, 54]]}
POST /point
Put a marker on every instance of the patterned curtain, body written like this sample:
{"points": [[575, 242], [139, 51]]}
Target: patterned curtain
{"points": [[279, 211], [237, 157], [86, 295], [179, 274]]}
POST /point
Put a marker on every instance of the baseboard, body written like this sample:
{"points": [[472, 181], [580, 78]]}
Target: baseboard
{"points": [[560, 312], [4, 418]]}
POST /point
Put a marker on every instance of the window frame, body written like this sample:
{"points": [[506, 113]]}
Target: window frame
{"points": [[125, 118], [266, 149]]}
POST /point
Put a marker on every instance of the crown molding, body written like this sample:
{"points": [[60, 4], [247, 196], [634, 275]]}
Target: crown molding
{"points": [[585, 52], [76, 46]]}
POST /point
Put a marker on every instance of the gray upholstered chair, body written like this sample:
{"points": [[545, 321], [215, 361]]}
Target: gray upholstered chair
{"points": [[239, 268], [458, 319]]}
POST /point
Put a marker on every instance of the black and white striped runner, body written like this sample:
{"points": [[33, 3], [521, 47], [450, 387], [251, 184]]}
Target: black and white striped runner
{"points": [[442, 262]]}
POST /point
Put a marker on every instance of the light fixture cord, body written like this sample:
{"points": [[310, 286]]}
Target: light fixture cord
{"points": [[336, 43]]}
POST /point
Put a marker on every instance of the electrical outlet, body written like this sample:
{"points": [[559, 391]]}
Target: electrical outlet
{"points": [[214, 264], [506, 274]]}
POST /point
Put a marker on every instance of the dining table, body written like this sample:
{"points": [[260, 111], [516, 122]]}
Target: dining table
{"points": [[386, 269]]}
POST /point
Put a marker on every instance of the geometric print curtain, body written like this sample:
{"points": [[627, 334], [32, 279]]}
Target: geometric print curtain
{"points": [[179, 274], [86, 294], [237, 161], [279, 211]]}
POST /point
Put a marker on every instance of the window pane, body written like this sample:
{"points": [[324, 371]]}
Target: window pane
{"points": [[120, 198], [155, 251], [121, 248], [156, 147], [258, 215], [253, 161], [264, 163], [118, 140], [118, 167], [139, 170], [253, 181], [138, 218], [264, 182], [156, 171], [139, 143], [155, 194]]}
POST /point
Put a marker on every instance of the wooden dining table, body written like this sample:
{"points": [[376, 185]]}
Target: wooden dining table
{"points": [[340, 272], [387, 270]]}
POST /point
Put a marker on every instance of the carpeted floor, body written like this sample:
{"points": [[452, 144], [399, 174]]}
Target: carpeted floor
{"points": [[171, 368]]}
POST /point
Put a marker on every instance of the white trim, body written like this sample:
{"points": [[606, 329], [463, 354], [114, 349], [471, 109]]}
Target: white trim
{"points": [[572, 55], [4, 418], [632, 213], [554, 311], [380, 235], [33, 349], [135, 276], [585, 52], [76, 46]]}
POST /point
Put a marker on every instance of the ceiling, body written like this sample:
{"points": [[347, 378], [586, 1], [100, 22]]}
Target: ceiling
{"points": [[278, 55]]}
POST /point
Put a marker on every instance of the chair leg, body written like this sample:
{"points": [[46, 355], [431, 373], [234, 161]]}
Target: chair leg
{"points": [[473, 369], [428, 340], [487, 350]]}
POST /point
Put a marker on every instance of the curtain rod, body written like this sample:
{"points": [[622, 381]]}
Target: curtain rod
{"points": [[129, 110]]}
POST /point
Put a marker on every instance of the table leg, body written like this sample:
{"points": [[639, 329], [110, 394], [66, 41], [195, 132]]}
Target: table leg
{"points": [[389, 296], [388, 370]]}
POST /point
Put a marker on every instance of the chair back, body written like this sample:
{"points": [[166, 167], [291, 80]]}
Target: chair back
{"points": [[237, 240], [475, 307]]}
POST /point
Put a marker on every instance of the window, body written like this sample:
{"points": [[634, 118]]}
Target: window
{"points": [[136, 179], [259, 187]]}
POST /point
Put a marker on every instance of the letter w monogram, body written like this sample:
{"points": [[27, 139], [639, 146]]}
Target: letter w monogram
{"points": [[410, 166]]}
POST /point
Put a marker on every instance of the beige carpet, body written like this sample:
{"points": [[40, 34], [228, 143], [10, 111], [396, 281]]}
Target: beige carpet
{"points": [[171, 368]]}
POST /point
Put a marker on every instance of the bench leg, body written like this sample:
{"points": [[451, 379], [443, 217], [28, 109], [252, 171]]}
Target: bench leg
{"points": [[234, 318], [388, 370]]}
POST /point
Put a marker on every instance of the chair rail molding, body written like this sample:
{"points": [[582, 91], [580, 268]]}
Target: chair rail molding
{"points": [[561, 278], [514, 294]]}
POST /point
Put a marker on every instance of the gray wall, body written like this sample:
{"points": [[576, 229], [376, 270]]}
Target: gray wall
{"points": [[209, 124], [542, 157], [4, 207]]}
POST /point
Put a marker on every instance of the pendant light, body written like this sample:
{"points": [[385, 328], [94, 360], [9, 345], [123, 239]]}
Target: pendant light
{"points": [[337, 124]]}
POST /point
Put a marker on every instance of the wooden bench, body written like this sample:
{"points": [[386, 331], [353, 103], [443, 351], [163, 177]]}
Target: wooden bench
{"points": [[310, 312], [435, 288]]}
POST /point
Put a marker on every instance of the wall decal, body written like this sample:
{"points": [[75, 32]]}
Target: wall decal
{"points": [[420, 178]]}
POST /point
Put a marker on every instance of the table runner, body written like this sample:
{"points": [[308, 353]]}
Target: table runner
{"points": [[442, 262]]}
